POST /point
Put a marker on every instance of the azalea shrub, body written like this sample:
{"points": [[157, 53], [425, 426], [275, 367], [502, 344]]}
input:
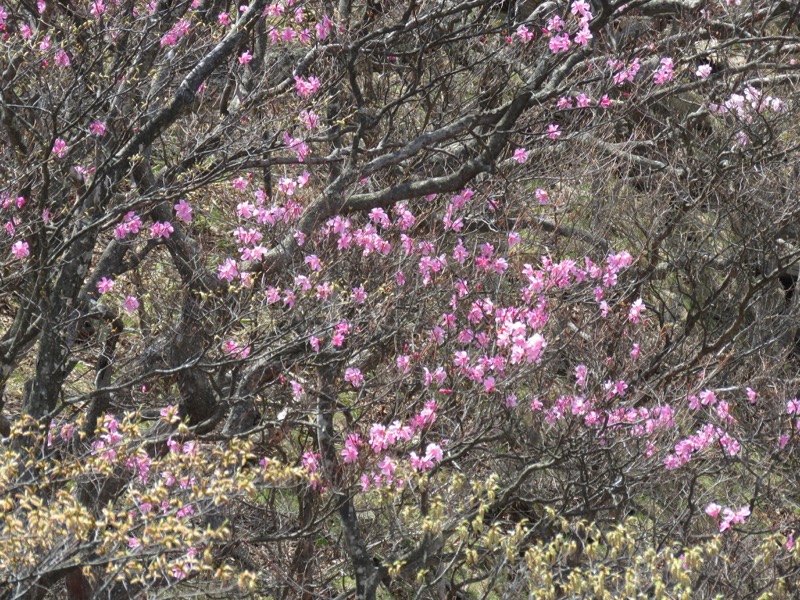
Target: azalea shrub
{"points": [[456, 299]]}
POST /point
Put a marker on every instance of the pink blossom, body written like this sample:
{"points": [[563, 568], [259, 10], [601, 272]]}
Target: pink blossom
{"points": [[380, 218], [542, 196], [708, 398], [105, 285], [636, 310], [523, 34], [168, 477], [224, 18], [581, 373], [350, 450], [434, 452], [306, 87], [183, 211], [309, 118], [97, 128], [420, 463], [20, 249], [60, 148], [354, 377], [387, 467], [62, 58], [742, 138], [169, 413], [245, 58], [324, 27], [581, 9], [730, 445], [240, 184], [731, 517], [461, 359], [246, 210], [555, 24], [288, 34], [713, 510], [97, 8], [161, 230], [665, 72], [564, 103], [553, 131], [178, 30], [703, 71], [559, 43], [521, 155], [626, 73], [227, 270], [231, 347], [313, 262], [583, 36], [131, 224], [296, 145], [130, 304]]}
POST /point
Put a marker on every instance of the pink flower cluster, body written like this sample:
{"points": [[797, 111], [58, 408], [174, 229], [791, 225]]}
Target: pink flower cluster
{"points": [[624, 72], [746, 105], [354, 377], [705, 437], [555, 25], [183, 211], [105, 285], [382, 438], [433, 455], [729, 516], [581, 100], [351, 446], [20, 250], [131, 224], [60, 148], [178, 30], [105, 445], [161, 230], [234, 349], [666, 71], [97, 128], [306, 87], [296, 145]]}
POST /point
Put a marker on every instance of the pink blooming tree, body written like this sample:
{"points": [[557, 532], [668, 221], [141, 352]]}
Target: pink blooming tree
{"points": [[439, 300]]}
